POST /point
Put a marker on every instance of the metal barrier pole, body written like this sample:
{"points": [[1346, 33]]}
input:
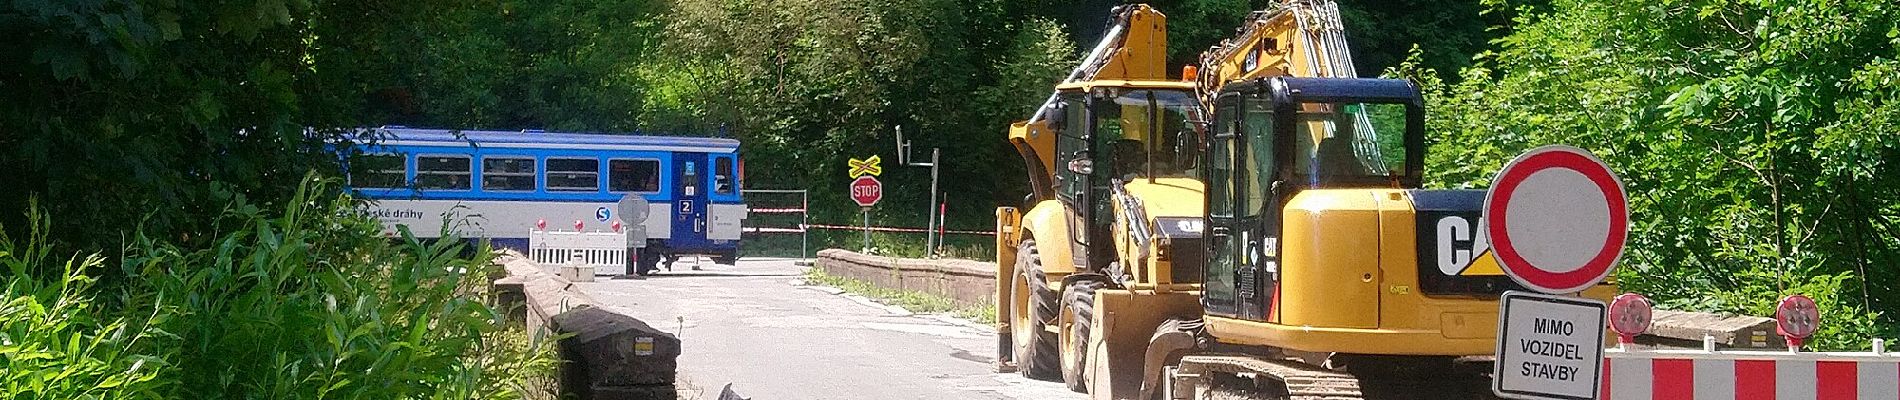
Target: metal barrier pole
{"points": [[932, 239], [804, 224], [804, 217]]}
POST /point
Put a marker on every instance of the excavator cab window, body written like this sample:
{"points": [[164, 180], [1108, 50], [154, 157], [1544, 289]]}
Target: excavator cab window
{"points": [[1141, 130], [1349, 143], [1272, 139]]}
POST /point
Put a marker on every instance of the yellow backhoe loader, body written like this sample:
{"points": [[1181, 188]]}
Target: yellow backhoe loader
{"points": [[1112, 158]]}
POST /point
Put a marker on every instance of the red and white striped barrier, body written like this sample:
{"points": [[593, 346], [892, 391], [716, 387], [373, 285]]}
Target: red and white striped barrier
{"points": [[1748, 375], [891, 229], [860, 228], [775, 210], [759, 229]]}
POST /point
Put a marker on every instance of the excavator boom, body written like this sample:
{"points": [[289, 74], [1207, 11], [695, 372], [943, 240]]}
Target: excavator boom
{"points": [[1133, 49], [1303, 38]]}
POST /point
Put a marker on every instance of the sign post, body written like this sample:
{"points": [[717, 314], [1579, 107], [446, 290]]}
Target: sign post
{"points": [[1557, 218], [933, 223], [866, 190]]}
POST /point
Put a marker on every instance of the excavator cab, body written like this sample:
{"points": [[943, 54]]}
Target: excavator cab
{"points": [[1271, 139], [1119, 134]]}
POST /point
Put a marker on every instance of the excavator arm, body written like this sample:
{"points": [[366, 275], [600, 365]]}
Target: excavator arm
{"points": [[1134, 48], [1292, 38], [1301, 38]]}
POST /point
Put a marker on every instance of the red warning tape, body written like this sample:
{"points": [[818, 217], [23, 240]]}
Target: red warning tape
{"points": [[773, 230], [776, 210], [890, 229], [859, 228]]}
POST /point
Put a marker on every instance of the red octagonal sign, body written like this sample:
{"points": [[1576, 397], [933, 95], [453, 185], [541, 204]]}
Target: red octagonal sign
{"points": [[1557, 219], [866, 190]]}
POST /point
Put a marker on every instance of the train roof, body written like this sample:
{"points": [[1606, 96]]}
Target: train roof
{"points": [[540, 139]]}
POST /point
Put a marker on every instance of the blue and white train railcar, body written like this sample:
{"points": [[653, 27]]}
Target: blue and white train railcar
{"points": [[507, 181]]}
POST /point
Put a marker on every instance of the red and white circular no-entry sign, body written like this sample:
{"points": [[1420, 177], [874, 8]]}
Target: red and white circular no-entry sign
{"points": [[1557, 219]]}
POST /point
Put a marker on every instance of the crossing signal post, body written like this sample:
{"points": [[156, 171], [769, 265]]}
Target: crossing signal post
{"points": [[866, 190], [931, 220]]}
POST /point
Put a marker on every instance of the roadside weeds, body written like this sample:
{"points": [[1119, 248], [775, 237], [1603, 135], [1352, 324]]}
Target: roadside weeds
{"points": [[910, 300]]}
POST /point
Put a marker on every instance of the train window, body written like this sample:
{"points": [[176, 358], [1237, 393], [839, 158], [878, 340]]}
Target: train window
{"points": [[624, 175], [507, 173], [442, 172], [384, 171], [573, 174], [722, 176]]}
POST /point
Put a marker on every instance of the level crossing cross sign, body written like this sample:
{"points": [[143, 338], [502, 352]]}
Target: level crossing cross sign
{"points": [[867, 166]]}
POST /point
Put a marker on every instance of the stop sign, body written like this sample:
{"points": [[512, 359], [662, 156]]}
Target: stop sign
{"points": [[866, 190]]}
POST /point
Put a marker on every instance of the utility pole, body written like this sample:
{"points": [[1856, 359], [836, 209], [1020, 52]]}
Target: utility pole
{"points": [[930, 221]]}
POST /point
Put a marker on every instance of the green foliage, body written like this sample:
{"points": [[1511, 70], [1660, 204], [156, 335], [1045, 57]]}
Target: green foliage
{"points": [[56, 341], [1755, 139], [118, 113], [303, 301]]}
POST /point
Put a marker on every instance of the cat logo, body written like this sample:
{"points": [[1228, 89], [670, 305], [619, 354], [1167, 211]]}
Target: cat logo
{"points": [[1462, 249]]}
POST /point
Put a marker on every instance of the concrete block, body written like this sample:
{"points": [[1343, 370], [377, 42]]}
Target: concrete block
{"points": [[643, 392], [608, 349], [577, 273], [511, 298]]}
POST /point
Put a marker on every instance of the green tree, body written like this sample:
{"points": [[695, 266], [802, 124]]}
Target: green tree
{"points": [[120, 113], [1755, 139]]}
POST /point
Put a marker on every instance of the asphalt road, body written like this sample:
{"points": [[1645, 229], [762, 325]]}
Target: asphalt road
{"points": [[756, 327]]}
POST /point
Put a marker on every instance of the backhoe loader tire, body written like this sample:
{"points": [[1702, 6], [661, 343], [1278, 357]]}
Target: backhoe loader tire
{"points": [[1080, 296], [1037, 356]]}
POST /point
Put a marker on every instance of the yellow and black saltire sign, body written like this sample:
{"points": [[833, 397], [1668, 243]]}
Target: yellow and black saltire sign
{"points": [[867, 166]]}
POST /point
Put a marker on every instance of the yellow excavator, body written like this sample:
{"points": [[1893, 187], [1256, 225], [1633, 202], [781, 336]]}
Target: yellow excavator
{"points": [[1115, 211], [1325, 272]]}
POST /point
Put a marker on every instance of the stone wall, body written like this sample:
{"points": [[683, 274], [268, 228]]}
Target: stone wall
{"points": [[535, 296], [606, 355], [966, 282]]}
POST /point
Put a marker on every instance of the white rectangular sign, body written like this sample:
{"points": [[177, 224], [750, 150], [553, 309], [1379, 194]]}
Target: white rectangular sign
{"points": [[1549, 347]]}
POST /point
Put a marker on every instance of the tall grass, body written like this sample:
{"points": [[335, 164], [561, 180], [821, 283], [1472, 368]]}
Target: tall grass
{"points": [[302, 301]]}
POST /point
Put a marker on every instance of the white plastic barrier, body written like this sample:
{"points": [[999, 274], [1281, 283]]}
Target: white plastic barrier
{"points": [[606, 251]]}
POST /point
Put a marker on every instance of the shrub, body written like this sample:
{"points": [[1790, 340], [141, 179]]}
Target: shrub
{"points": [[309, 301]]}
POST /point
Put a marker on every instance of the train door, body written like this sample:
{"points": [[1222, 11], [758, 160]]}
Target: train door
{"points": [[690, 171], [727, 211]]}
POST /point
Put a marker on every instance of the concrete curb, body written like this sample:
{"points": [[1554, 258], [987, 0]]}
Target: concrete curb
{"points": [[964, 282]]}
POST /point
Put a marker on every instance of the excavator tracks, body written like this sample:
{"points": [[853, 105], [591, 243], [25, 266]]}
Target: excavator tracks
{"points": [[1302, 382], [1217, 379]]}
